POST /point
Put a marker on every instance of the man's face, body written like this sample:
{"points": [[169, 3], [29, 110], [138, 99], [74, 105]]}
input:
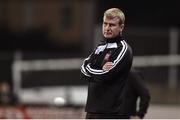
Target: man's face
{"points": [[111, 27]]}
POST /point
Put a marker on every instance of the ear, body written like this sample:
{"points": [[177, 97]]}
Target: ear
{"points": [[122, 26]]}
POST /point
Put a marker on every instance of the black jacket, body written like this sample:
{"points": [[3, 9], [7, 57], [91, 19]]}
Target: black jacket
{"points": [[135, 88], [105, 87]]}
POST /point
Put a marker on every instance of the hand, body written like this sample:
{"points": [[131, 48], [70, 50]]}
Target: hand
{"points": [[107, 66]]}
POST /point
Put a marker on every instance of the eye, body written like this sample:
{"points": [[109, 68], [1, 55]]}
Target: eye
{"points": [[111, 25], [105, 24]]}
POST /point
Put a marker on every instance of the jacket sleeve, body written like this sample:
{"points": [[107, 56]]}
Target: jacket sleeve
{"points": [[83, 66], [121, 58], [142, 92]]}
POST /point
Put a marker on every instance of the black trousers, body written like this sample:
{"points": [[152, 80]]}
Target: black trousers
{"points": [[104, 116]]}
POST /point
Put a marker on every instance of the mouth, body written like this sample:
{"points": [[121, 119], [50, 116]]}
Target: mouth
{"points": [[108, 33]]}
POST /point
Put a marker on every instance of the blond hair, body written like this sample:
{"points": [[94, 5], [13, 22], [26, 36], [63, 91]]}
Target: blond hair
{"points": [[115, 12]]}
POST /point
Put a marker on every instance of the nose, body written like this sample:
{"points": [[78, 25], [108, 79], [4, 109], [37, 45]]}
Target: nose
{"points": [[107, 27]]}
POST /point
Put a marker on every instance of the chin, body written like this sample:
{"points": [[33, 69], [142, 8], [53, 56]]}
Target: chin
{"points": [[106, 36]]}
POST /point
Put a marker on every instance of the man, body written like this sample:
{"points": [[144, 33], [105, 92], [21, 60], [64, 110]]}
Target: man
{"points": [[136, 89], [107, 68]]}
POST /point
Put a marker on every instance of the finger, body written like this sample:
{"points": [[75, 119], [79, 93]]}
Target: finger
{"points": [[109, 63]]}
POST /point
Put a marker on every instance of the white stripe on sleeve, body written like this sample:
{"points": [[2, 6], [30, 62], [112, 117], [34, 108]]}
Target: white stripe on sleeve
{"points": [[115, 62]]}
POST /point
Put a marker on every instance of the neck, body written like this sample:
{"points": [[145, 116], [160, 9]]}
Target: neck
{"points": [[115, 39]]}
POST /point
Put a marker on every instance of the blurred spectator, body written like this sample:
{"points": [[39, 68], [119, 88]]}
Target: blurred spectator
{"points": [[7, 102], [135, 88], [6, 96]]}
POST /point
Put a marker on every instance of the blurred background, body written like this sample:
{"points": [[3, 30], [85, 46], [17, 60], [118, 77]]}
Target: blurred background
{"points": [[43, 44]]}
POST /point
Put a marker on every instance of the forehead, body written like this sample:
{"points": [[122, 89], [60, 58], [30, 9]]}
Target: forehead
{"points": [[111, 19]]}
